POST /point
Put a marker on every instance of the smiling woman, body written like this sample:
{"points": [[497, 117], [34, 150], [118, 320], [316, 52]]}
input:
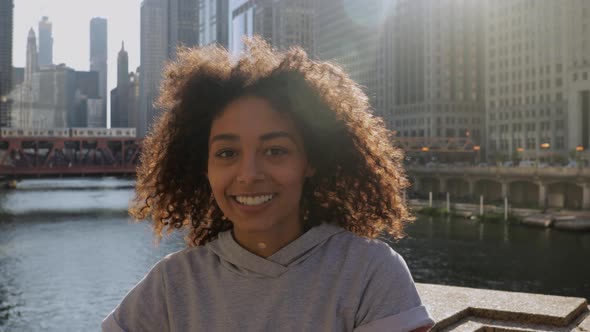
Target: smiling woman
{"points": [[257, 167], [283, 180]]}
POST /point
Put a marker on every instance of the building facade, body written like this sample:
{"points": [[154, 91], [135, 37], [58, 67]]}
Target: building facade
{"points": [[353, 34], [241, 23], [439, 70], [166, 25], [45, 42], [134, 79], [6, 28], [57, 97], [537, 79], [48, 100], [183, 24], [98, 56], [154, 51], [52, 96], [282, 23], [286, 23], [87, 99], [213, 22]]}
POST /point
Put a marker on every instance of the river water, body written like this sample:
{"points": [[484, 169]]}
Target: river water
{"points": [[69, 253]]}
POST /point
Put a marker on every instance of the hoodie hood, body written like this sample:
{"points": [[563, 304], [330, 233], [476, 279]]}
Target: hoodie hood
{"points": [[241, 261]]}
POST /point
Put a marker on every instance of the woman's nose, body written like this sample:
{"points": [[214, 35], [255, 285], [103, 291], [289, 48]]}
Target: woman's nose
{"points": [[250, 169]]}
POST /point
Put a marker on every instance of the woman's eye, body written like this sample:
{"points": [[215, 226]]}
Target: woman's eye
{"points": [[275, 152], [225, 154]]}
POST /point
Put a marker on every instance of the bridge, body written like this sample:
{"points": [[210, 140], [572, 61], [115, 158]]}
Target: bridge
{"points": [[26, 157], [535, 187]]}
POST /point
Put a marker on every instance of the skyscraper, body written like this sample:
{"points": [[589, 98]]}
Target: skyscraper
{"points": [[439, 69], [538, 77], [122, 66], [45, 42], [352, 33], [6, 26], [154, 50], [213, 22], [98, 56], [165, 25], [120, 94], [286, 23], [32, 64], [183, 24], [241, 23]]}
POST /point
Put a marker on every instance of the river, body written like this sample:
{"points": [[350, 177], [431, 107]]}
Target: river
{"points": [[69, 253]]}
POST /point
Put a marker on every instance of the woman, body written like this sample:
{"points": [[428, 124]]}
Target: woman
{"points": [[282, 179]]}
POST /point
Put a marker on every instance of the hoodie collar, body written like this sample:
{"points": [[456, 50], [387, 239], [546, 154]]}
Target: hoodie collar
{"points": [[241, 261]]}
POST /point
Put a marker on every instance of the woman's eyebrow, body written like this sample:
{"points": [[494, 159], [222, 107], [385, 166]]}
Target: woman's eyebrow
{"points": [[277, 134], [224, 137]]}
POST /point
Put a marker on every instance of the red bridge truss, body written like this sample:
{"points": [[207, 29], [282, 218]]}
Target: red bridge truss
{"points": [[38, 157]]}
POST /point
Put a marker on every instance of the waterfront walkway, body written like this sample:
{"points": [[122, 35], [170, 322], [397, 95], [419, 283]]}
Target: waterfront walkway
{"points": [[574, 220]]}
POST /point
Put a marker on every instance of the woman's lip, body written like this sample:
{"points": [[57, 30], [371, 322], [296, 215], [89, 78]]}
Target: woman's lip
{"points": [[252, 208], [252, 194]]}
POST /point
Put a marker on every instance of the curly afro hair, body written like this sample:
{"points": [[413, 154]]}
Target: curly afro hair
{"points": [[359, 177]]}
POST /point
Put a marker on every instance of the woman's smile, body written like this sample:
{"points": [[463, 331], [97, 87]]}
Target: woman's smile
{"points": [[253, 204], [253, 200]]}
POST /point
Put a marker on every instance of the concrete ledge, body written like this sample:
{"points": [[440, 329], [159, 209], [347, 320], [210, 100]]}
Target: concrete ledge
{"points": [[469, 309]]}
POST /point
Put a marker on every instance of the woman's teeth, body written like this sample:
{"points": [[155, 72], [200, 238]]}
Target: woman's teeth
{"points": [[253, 200]]}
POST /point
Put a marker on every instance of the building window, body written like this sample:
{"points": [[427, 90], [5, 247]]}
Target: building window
{"points": [[559, 142], [559, 124]]}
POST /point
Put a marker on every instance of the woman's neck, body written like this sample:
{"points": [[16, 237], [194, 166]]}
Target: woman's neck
{"points": [[266, 243]]}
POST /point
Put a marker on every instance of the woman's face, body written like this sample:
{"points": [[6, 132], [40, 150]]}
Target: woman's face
{"points": [[257, 165]]}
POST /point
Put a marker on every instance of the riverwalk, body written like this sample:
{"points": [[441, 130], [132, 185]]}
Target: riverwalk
{"points": [[569, 220]]}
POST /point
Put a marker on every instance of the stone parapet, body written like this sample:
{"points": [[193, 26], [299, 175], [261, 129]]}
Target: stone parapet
{"points": [[469, 309]]}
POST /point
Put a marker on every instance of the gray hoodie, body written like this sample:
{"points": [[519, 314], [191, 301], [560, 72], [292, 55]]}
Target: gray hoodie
{"points": [[326, 280]]}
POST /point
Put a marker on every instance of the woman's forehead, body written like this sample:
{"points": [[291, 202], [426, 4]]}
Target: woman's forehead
{"points": [[252, 116]]}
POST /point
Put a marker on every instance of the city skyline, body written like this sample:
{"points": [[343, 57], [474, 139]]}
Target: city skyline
{"points": [[71, 33]]}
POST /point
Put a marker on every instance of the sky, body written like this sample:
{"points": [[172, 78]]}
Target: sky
{"points": [[71, 30]]}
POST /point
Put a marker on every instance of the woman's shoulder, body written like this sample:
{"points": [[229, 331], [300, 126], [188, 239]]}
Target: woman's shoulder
{"points": [[377, 248], [364, 251], [188, 260]]}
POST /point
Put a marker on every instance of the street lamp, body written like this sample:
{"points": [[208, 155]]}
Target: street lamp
{"points": [[579, 150], [477, 150], [425, 149], [546, 146], [520, 152]]}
